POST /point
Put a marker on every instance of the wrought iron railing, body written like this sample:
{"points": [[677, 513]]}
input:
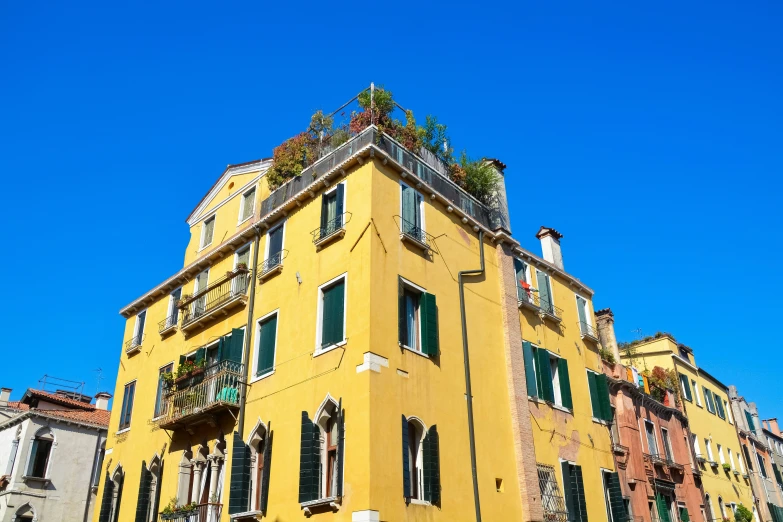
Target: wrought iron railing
{"points": [[414, 232], [332, 226], [168, 322], [217, 385], [531, 296], [272, 262], [587, 330], [134, 342], [552, 500], [233, 285], [655, 459], [201, 513]]}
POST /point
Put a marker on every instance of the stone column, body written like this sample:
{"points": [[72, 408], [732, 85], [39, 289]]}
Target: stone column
{"points": [[215, 462], [195, 492]]}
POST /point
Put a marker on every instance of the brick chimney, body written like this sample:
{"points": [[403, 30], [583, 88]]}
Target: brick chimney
{"points": [[102, 400], [499, 206], [605, 323], [5, 396], [772, 425], [550, 246]]}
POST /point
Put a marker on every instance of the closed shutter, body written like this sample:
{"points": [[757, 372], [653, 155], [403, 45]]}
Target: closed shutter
{"points": [[309, 460], [684, 517], [686, 387], [545, 370], [619, 513], [579, 492], [663, 511], [530, 370], [108, 493], [236, 344], [708, 399], [772, 511], [719, 405], [594, 400], [603, 397], [544, 291], [266, 345], [121, 481], [406, 469], [410, 211], [569, 492], [264, 500], [340, 206], [143, 502], [776, 471], [340, 447], [429, 324], [333, 314], [565, 384], [239, 494], [432, 466], [751, 424], [748, 460]]}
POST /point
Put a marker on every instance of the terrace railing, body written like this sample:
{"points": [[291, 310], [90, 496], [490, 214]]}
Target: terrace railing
{"points": [[134, 343], [530, 298], [231, 287], [587, 330], [202, 513], [331, 227], [216, 387]]}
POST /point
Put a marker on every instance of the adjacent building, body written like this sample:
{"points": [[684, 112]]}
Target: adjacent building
{"points": [[51, 450], [771, 430]]}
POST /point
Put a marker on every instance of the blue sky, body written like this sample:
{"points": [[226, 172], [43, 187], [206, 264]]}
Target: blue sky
{"points": [[649, 135]]}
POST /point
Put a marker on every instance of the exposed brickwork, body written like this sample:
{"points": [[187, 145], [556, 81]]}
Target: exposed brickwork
{"points": [[517, 390]]}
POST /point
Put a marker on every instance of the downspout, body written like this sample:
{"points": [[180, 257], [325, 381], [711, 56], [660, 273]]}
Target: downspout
{"points": [[95, 460], [248, 334], [468, 388]]}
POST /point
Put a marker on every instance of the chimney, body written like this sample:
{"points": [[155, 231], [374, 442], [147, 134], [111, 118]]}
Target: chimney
{"points": [[550, 246], [605, 323], [500, 218], [102, 400], [5, 396], [772, 425]]}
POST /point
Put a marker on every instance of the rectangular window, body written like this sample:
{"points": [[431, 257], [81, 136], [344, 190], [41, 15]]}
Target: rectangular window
{"points": [[686, 388], [418, 319], [695, 442], [199, 306], [762, 465], [741, 463], [266, 344], [332, 211], [719, 406], [599, 396], [751, 424], [412, 223], [728, 412], [127, 405], [524, 290], [274, 247], [173, 311], [696, 392], [574, 492], [585, 326], [39, 456], [708, 400], [331, 312], [667, 445], [552, 380], [545, 292], [720, 455], [248, 205], [731, 458], [160, 407], [207, 231], [708, 445], [613, 497], [138, 329], [652, 444]]}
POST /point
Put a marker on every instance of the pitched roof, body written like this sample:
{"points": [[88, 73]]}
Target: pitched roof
{"points": [[57, 399], [76, 411]]}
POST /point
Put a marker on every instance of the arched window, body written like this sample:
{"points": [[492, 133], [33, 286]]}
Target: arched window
{"points": [[185, 478], [420, 461], [156, 472], [25, 513], [112, 496], [257, 443], [329, 423], [710, 507], [722, 508], [321, 456], [40, 453]]}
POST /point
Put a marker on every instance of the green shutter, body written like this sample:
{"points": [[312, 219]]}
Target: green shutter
{"points": [[684, 517], [340, 205], [236, 345], [401, 315], [333, 314], [143, 502], [751, 424], [544, 291], [709, 400], [530, 370], [406, 470], [340, 446], [156, 506], [108, 493], [309, 460], [201, 355], [119, 498], [545, 371], [616, 504], [569, 492], [432, 466], [264, 500], [239, 494], [324, 212], [686, 387], [603, 397], [776, 471], [429, 324], [266, 345], [663, 511], [579, 488], [594, 400], [565, 384], [410, 211]]}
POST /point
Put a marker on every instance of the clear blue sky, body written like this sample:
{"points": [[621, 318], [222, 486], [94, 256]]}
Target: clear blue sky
{"points": [[649, 135]]}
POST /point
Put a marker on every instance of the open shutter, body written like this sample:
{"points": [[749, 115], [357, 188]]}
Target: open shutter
{"points": [[409, 210], [156, 505], [401, 314], [108, 493], [266, 346], [686, 387], [543, 290], [530, 369], [236, 345], [119, 498], [592, 384], [267, 468], [565, 384], [340, 446], [603, 397], [545, 371], [568, 492], [309, 460], [579, 492], [432, 466], [751, 424], [333, 314], [143, 502], [406, 470], [719, 406], [201, 355], [684, 517], [619, 513], [429, 324], [239, 494], [663, 511], [324, 213], [340, 206], [776, 471]]}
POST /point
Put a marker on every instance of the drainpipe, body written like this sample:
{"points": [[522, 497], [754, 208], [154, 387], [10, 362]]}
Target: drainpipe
{"points": [[468, 388], [95, 459], [248, 334]]}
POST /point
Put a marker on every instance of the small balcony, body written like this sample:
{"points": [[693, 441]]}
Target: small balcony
{"points": [[330, 231], [133, 345], [216, 300], [200, 513], [588, 332], [168, 325], [414, 235], [530, 299], [200, 397], [655, 460], [272, 266]]}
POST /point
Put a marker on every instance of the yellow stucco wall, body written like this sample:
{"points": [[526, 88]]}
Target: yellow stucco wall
{"points": [[717, 483]]}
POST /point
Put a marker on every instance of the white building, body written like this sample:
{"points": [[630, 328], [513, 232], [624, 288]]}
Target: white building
{"points": [[51, 453]]}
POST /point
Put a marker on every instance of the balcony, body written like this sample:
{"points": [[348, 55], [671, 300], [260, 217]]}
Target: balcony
{"points": [[530, 299], [168, 325], [201, 513], [200, 397], [133, 344], [655, 460], [272, 266], [414, 235], [216, 300], [588, 332], [330, 231]]}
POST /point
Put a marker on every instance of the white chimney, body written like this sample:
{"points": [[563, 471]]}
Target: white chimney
{"points": [[550, 246], [5, 396], [102, 400]]}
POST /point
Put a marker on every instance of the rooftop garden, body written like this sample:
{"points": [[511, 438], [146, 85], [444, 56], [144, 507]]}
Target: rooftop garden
{"points": [[376, 106]]}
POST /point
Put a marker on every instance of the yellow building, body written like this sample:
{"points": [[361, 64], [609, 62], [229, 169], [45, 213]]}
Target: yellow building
{"points": [[308, 359], [714, 439]]}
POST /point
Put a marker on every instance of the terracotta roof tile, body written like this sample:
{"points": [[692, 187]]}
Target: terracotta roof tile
{"points": [[59, 399], [99, 417]]}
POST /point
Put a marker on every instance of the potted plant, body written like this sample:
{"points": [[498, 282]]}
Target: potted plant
{"points": [[241, 267], [185, 370], [726, 467], [168, 379]]}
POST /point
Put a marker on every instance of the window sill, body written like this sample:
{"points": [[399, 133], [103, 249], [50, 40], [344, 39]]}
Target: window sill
{"points": [[123, 430], [322, 242], [417, 502], [550, 404], [409, 349], [600, 421], [262, 376], [246, 219], [40, 480], [332, 502], [247, 515], [415, 242], [321, 351], [202, 248]]}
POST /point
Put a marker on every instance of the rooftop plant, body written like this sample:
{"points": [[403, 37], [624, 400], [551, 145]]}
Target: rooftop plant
{"points": [[742, 514], [662, 379]]}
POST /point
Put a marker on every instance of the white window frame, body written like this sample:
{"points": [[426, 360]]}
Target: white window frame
{"points": [[646, 438], [257, 349], [49, 459], [695, 443], [727, 407], [139, 335], [590, 395], [666, 442], [269, 238], [160, 372], [249, 246], [551, 288], [418, 463], [243, 202], [414, 286], [172, 307], [554, 368], [731, 459], [423, 226], [204, 229], [708, 447], [577, 297], [319, 317], [696, 393], [122, 406], [721, 458]]}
